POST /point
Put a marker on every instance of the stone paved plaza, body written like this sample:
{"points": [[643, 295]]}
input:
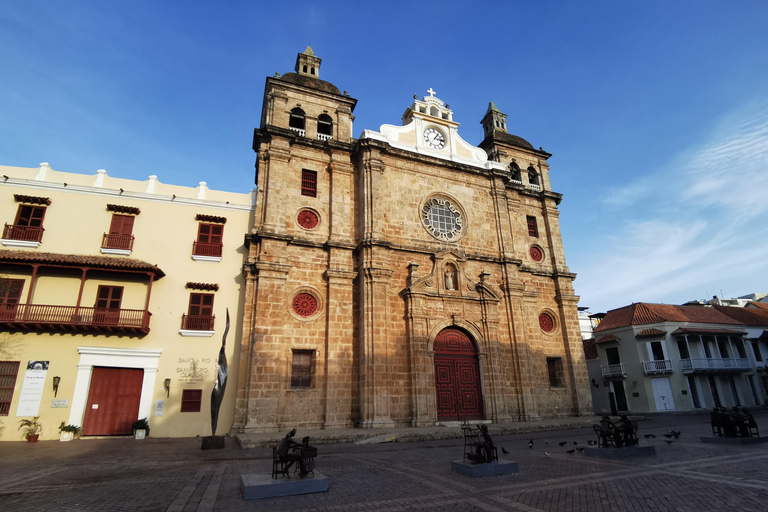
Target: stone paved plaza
{"points": [[122, 474]]}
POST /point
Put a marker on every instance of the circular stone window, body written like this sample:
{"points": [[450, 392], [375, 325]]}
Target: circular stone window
{"points": [[546, 322], [442, 218], [305, 304], [536, 253], [307, 219]]}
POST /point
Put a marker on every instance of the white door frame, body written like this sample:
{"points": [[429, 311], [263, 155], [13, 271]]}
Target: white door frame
{"points": [[143, 359]]}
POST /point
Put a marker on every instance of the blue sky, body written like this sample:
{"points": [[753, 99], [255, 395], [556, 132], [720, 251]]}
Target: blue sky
{"points": [[656, 112]]}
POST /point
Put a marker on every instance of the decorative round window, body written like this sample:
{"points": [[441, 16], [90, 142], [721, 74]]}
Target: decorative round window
{"points": [[546, 323], [536, 253], [304, 304], [442, 218], [307, 219]]}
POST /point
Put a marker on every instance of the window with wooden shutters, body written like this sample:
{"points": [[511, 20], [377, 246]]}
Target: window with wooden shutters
{"points": [[8, 372], [301, 369], [533, 228], [191, 400], [10, 294], [108, 300], [209, 240], [120, 234], [200, 313], [555, 370], [28, 225], [309, 183]]}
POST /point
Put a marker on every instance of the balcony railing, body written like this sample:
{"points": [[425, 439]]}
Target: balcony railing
{"points": [[123, 242], [204, 249], [46, 318], [536, 188], [712, 365], [516, 181], [197, 323], [25, 233], [614, 370], [300, 131], [322, 136], [663, 366]]}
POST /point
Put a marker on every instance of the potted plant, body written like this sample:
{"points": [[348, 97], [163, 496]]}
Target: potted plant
{"points": [[31, 429], [141, 429], [68, 432]]}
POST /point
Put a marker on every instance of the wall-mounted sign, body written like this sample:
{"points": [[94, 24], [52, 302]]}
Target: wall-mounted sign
{"points": [[32, 388], [159, 406], [191, 369], [59, 403]]}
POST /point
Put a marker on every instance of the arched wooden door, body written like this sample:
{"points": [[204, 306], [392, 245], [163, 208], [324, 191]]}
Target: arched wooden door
{"points": [[457, 377]]}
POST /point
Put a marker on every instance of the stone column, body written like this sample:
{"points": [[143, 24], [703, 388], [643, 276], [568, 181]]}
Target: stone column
{"points": [[265, 363], [375, 352], [339, 349]]}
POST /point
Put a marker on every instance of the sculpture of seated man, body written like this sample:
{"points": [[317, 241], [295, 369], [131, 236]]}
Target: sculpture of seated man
{"points": [[627, 429], [484, 450], [286, 449]]}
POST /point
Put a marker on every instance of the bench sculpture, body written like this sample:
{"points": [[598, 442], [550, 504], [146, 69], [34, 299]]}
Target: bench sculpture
{"points": [[734, 423], [300, 456], [616, 434], [478, 445]]}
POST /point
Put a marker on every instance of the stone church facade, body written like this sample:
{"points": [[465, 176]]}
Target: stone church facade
{"points": [[403, 278]]}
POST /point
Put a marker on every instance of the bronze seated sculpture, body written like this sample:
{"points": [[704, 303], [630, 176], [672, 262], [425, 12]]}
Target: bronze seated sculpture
{"points": [[616, 434], [289, 453], [734, 423], [478, 445]]}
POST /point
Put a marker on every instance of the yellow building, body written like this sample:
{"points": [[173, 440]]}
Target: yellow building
{"points": [[113, 300]]}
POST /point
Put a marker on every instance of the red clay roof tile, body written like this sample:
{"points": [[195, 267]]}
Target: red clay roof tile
{"points": [[642, 313], [79, 260]]}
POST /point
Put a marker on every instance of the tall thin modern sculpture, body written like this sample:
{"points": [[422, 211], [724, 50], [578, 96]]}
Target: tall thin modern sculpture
{"points": [[217, 395]]}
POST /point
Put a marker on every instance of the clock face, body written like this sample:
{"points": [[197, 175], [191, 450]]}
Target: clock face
{"points": [[442, 219], [434, 138]]}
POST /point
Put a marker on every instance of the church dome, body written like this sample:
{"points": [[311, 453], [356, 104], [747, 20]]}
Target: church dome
{"points": [[311, 82]]}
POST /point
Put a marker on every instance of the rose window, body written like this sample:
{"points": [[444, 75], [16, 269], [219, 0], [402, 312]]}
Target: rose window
{"points": [[536, 254], [546, 323], [305, 304], [307, 219]]}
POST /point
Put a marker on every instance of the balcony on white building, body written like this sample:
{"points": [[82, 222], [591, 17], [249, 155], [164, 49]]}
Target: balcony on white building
{"points": [[613, 371], [714, 365], [656, 367]]}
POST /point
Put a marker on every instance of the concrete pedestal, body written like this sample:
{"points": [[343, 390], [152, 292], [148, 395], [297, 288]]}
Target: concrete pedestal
{"points": [[502, 467], [620, 453], [254, 486], [733, 440]]}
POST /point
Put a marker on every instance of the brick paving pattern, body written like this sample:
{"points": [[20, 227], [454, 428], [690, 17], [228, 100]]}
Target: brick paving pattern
{"points": [[174, 475]]}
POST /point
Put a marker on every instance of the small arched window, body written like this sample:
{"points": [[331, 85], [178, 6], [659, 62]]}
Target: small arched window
{"points": [[533, 176], [514, 170], [297, 120], [325, 125]]}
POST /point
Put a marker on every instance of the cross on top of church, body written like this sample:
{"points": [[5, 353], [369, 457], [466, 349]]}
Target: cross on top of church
{"points": [[431, 91]]}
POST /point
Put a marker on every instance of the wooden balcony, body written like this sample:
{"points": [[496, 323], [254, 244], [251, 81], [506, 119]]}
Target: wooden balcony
{"points": [[656, 367], [203, 249], [713, 365], [120, 242], [614, 371], [45, 318], [197, 323], [24, 233]]}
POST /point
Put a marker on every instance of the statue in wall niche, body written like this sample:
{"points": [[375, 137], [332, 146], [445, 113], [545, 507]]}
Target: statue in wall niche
{"points": [[449, 280], [217, 395]]}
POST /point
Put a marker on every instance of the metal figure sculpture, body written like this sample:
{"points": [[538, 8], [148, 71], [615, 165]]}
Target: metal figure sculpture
{"points": [[217, 395]]}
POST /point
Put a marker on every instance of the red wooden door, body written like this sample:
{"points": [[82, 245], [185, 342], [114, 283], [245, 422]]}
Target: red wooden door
{"points": [[113, 401], [108, 305], [457, 377]]}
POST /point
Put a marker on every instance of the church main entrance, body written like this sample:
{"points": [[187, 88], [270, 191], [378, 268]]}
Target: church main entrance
{"points": [[457, 377]]}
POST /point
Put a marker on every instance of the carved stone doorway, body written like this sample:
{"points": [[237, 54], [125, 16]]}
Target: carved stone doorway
{"points": [[457, 377]]}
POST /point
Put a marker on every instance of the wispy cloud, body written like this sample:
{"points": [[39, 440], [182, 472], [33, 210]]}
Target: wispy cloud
{"points": [[708, 232]]}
